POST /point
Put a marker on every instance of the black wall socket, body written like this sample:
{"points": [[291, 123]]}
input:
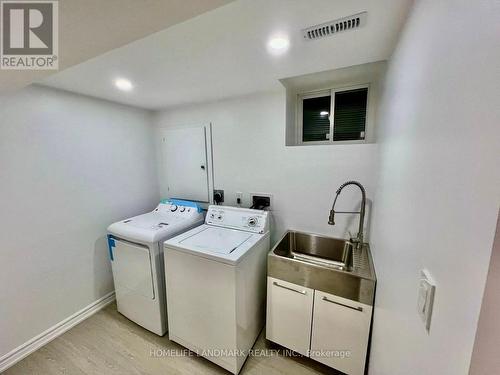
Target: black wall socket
{"points": [[218, 196], [259, 200]]}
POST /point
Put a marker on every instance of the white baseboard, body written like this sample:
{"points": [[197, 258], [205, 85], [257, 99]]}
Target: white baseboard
{"points": [[37, 342]]}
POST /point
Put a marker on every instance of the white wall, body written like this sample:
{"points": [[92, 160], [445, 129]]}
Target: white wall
{"points": [[69, 166], [250, 156], [485, 359], [438, 193]]}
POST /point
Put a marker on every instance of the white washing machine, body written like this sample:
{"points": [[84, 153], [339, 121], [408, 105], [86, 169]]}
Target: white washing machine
{"points": [[216, 284], [136, 253]]}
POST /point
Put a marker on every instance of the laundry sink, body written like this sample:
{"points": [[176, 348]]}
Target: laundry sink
{"points": [[328, 264], [314, 249]]}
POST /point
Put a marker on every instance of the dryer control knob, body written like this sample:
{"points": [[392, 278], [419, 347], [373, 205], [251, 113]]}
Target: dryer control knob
{"points": [[252, 221], [173, 208], [182, 209]]}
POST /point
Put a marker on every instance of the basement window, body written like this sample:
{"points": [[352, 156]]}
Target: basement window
{"points": [[333, 116]]}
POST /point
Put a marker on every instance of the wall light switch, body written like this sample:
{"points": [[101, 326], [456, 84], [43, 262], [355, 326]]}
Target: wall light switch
{"points": [[425, 301]]}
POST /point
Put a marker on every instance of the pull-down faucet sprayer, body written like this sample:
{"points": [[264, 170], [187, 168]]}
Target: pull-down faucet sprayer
{"points": [[361, 212]]}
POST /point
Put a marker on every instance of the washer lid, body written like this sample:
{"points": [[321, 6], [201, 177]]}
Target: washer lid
{"points": [[217, 240], [165, 221], [151, 221]]}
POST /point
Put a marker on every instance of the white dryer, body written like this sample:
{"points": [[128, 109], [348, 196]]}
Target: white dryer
{"points": [[216, 284], [136, 253]]}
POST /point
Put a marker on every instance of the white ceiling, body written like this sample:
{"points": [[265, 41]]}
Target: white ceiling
{"points": [[223, 53], [88, 28]]}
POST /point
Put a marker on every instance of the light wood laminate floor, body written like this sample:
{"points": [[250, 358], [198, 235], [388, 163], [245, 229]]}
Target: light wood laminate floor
{"points": [[108, 343]]}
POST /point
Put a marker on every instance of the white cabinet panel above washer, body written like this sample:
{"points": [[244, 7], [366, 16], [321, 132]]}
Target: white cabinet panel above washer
{"points": [[185, 163]]}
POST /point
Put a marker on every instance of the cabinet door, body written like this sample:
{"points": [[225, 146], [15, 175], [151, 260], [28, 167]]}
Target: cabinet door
{"points": [[185, 164], [340, 332], [289, 314]]}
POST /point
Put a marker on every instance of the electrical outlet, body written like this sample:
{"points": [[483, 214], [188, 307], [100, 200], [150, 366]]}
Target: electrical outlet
{"points": [[218, 196], [239, 198], [265, 198]]}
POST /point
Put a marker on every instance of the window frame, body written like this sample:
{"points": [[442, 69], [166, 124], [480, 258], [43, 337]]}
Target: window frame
{"points": [[328, 92]]}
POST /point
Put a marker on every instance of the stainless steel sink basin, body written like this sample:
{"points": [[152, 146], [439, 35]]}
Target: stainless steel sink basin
{"points": [[329, 264], [309, 248]]}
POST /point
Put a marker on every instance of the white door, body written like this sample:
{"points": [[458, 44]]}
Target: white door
{"points": [[185, 163], [289, 314], [340, 332], [132, 271]]}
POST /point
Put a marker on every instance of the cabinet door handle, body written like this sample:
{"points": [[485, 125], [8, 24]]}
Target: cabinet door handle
{"points": [[357, 308], [287, 288]]}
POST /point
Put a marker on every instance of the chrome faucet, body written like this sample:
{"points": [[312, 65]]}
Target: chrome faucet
{"points": [[361, 212]]}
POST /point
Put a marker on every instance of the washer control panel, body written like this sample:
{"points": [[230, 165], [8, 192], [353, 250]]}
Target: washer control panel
{"points": [[238, 218]]}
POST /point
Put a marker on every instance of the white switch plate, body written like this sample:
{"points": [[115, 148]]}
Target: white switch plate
{"points": [[425, 301]]}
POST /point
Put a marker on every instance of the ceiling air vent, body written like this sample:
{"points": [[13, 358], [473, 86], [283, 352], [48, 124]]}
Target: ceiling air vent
{"points": [[333, 27]]}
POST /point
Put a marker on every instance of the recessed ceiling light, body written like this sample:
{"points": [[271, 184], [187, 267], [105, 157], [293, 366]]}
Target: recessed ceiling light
{"points": [[278, 44], [123, 84]]}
